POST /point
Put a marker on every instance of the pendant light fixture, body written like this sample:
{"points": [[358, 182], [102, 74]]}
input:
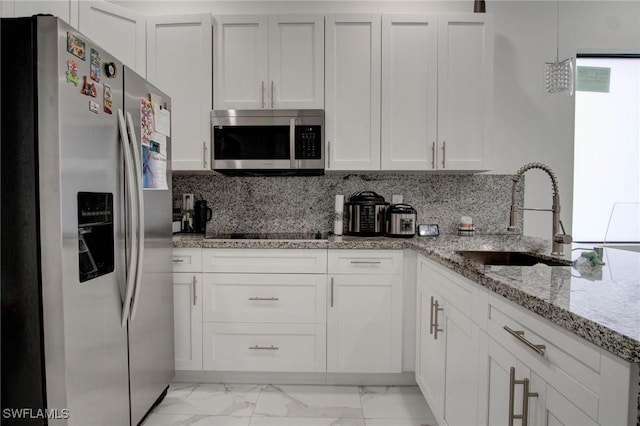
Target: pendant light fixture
{"points": [[559, 74]]}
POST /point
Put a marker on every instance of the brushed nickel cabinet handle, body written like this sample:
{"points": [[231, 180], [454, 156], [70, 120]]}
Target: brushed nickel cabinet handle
{"points": [[205, 163], [328, 154], [269, 299], [366, 262], [332, 292], [272, 95], [518, 334], [262, 94], [433, 155], [444, 151], [436, 325], [524, 417], [431, 316], [194, 282], [264, 348], [178, 260]]}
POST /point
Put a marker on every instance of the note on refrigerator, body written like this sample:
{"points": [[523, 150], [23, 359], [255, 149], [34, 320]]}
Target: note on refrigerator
{"points": [[163, 122]]}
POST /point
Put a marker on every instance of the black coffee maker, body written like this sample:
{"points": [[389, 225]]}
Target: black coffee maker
{"points": [[201, 215]]}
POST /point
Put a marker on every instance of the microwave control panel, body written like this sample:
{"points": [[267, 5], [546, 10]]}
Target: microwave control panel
{"points": [[308, 143]]}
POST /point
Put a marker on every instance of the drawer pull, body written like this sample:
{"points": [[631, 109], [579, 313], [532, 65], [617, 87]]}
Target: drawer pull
{"points": [[178, 260], [270, 299], [525, 398], [264, 348], [539, 349], [366, 262]]}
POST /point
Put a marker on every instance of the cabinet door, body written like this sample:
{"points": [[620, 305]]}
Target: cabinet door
{"points": [[179, 63], [352, 95], [462, 346], [560, 411], [67, 10], [500, 362], [116, 29], [241, 47], [465, 68], [187, 317], [364, 324], [409, 92], [546, 406], [430, 351], [296, 61]]}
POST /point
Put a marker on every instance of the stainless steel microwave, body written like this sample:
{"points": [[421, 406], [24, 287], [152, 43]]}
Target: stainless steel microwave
{"points": [[268, 142]]}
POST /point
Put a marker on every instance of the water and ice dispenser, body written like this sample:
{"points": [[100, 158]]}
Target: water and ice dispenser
{"points": [[95, 234]]}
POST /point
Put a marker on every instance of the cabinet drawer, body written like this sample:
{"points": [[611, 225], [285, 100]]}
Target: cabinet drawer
{"points": [[569, 365], [294, 298], [365, 261], [264, 347], [266, 261], [187, 260]]}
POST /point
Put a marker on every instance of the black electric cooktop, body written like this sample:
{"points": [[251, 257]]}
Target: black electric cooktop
{"points": [[269, 236]]}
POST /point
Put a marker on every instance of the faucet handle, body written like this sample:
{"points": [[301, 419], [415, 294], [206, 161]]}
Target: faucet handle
{"points": [[563, 238]]}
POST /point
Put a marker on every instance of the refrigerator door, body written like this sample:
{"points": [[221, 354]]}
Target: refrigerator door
{"points": [[82, 228], [151, 348]]}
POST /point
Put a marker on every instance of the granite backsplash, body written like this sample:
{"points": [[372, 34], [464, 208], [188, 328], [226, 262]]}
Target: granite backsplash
{"points": [[306, 203]]}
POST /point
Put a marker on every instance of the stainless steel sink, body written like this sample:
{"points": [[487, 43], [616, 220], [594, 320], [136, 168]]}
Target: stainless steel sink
{"points": [[510, 258]]}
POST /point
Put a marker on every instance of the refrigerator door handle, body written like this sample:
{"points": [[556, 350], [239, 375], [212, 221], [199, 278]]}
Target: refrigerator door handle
{"points": [[133, 217], [137, 162]]}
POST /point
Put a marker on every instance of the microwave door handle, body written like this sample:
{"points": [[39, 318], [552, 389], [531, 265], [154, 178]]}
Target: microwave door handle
{"points": [[292, 143]]}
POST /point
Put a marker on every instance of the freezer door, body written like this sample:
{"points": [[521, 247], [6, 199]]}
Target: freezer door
{"points": [[82, 229], [151, 348]]}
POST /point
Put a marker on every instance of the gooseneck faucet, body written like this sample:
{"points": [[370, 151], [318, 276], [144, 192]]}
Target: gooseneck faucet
{"points": [[558, 238]]}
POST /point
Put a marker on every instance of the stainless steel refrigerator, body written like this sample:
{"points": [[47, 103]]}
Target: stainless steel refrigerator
{"points": [[87, 299]]}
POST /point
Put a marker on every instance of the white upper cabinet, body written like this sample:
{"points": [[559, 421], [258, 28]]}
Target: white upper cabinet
{"points": [[67, 10], [271, 62], [409, 91], [116, 29], [241, 47], [465, 75], [352, 93], [296, 61], [179, 63]]}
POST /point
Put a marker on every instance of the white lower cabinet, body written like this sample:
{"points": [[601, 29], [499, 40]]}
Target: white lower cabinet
{"points": [[447, 346], [517, 392], [570, 381], [187, 309], [288, 298], [271, 347], [477, 352], [262, 313], [364, 317]]}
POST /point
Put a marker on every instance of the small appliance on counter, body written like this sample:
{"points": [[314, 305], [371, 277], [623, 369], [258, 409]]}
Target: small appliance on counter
{"points": [[187, 213], [366, 214], [401, 221], [201, 215]]}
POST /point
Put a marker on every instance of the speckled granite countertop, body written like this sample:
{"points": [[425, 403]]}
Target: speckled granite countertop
{"points": [[600, 304]]}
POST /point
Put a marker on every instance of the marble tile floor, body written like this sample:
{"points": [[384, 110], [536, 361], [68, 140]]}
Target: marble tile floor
{"points": [[208, 404]]}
